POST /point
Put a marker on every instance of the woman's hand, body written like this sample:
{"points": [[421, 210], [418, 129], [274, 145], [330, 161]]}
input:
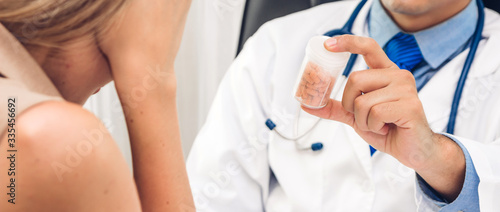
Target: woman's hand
{"points": [[143, 41], [382, 105]]}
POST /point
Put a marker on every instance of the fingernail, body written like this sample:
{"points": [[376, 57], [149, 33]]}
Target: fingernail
{"points": [[331, 42]]}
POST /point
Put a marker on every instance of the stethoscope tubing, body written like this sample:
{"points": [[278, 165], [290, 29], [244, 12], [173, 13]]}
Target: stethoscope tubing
{"points": [[477, 36]]}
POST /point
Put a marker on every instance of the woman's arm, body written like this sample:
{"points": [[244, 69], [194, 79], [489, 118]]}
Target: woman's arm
{"points": [[159, 167], [141, 48]]}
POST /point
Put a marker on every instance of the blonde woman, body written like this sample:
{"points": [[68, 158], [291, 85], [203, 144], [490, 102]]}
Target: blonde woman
{"points": [[54, 155]]}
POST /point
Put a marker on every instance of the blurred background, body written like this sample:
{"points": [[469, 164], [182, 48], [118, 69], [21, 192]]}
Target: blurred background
{"points": [[209, 45], [215, 32]]}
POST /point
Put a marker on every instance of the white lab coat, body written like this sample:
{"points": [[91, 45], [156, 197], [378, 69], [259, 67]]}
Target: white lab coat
{"points": [[237, 164]]}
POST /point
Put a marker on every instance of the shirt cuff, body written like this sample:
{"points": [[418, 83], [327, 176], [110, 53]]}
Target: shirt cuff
{"points": [[467, 200]]}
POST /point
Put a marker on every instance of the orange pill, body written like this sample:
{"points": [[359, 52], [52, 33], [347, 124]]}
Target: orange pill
{"points": [[307, 100], [304, 94], [314, 76], [316, 101], [328, 91], [299, 91], [308, 69], [322, 87], [312, 65], [319, 66], [307, 77], [312, 92]]}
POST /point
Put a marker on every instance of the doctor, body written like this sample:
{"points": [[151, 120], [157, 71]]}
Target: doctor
{"points": [[237, 164]]}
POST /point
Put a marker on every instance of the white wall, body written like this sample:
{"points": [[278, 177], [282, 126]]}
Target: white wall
{"points": [[208, 48]]}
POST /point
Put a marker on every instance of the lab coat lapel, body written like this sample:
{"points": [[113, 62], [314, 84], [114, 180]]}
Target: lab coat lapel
{"points": [[437, 95], [291, 165], [359, 145], [299, 172], [359, 28]]}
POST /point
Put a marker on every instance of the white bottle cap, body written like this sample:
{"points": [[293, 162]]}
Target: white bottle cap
{"points": [[331, 61]]}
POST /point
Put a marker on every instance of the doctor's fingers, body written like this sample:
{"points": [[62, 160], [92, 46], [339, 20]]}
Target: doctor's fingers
{"points": [[364, 103], [362, 82], [403, 113], [373, 54], [332, 111]]}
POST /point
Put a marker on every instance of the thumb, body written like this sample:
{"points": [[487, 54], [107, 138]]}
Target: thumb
{"points": [[333, 111]]}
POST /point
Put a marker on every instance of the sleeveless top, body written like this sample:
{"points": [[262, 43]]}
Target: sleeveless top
{"points": [[22, 82]]}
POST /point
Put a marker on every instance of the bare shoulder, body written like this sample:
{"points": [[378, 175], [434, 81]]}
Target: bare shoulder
{"points": [[53, 130], [56, 119], [65, 159]]}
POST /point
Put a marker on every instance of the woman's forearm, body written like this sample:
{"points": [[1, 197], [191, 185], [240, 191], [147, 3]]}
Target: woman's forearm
{"points": [[159, 169], [141, 47]]}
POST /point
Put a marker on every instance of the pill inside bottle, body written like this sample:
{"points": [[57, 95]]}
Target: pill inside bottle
{"points": [[319, 72]]}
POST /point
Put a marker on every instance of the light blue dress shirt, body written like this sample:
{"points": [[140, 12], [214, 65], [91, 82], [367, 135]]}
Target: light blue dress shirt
{"points": [[438, 47], [437, 44]]}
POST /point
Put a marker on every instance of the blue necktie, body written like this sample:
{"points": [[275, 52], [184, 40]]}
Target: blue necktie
{"points": [[403, 50]]}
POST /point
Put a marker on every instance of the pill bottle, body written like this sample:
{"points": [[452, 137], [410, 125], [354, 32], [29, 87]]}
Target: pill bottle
{"points": [[319, 72]]}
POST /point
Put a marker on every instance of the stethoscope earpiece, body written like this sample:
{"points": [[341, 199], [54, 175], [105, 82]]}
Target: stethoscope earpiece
{"points": [[317, 146], [270, 124]]}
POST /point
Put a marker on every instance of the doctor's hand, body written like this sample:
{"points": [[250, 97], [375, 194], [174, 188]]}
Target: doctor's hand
{"points": [[382, 105]]}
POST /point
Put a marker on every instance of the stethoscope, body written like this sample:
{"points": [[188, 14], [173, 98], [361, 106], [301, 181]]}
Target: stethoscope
{"points": [[346, 29]]}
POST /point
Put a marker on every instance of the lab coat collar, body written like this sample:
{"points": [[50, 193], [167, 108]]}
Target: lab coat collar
{"points": [[486, 61], [359, 25]]}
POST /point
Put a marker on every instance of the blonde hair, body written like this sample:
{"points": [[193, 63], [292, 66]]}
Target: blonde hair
{"points": [[53, 22]]}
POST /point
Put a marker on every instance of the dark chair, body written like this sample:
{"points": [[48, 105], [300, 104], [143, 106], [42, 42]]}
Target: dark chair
{"points": [[492, 4], [257, 12]]}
